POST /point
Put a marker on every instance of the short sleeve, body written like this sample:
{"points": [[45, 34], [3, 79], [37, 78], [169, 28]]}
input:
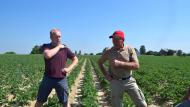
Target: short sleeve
{"points": [[70, 54], [44, 46], [133, 55]]}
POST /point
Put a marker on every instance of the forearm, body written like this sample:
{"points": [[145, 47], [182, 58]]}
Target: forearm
{"points": [[102, 69], [129, 65], [101, 62], [73, 64], [50, 53]]}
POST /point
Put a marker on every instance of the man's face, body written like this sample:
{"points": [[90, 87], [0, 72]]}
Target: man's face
{"points": [[117, 42], [56, 37]]}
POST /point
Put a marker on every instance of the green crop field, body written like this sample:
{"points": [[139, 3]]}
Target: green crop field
{"points": [[161, 78]]}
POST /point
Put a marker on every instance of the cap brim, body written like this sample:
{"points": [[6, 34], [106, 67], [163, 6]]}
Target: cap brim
{"points": [[111, 36]]}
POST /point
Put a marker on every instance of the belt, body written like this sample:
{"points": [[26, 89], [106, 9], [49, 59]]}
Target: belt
{"points": [[124, 78]]}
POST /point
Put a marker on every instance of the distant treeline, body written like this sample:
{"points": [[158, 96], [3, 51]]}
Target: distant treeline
{"points": [[141, 51], [162, 52]]}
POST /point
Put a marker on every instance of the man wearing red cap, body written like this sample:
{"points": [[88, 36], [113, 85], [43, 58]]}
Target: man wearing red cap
{"points": [[122, 60]]}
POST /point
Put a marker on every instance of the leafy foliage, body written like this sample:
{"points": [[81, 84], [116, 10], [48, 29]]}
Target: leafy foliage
{"points": [[142, 50], [36, 50], [161, 78], [11, 52]]}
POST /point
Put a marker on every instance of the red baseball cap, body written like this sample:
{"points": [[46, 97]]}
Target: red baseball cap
{"points": [[118, 33]]}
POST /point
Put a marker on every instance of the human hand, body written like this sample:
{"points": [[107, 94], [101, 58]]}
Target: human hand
{"points": [[61, 45], [116, 63], [65, 70]]}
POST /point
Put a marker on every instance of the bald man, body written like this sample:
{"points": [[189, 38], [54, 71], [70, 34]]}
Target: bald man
{"points": [[55, 57]]}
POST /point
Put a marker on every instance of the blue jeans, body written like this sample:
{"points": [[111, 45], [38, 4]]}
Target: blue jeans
{"points": [[46, 86]]}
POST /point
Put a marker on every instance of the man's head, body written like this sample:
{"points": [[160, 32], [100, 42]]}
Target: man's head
{"points": [[118, 38], [55, 36]]}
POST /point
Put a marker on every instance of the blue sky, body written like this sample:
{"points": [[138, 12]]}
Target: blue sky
{"points": [[87, 24]]}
